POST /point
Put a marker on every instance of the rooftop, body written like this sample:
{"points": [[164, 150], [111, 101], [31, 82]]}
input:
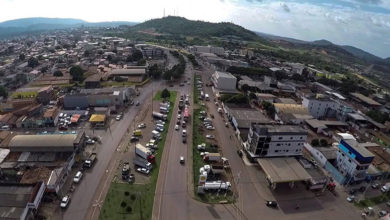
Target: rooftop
{"points": [[286, 101], [224, 74], [279, 129], [43, 140], [245, 117], [286, 169], [291, 108], [359, 148], [365, 99]]}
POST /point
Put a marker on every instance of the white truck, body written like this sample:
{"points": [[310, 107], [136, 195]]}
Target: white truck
{"points": [[215, 185], [160, 116], [140, 162], [144, 153]]}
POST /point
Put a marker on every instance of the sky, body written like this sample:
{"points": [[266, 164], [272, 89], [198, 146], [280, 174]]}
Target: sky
{"points": [[361, 23]]}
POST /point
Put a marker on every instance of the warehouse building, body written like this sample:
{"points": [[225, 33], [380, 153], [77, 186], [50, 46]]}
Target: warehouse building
{"points": [[224, 81], [46, 143]]}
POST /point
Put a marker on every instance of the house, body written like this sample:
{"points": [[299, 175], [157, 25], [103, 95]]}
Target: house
{"points": [[8, 119], [266, 97], [20, 201], [320, 106], [50, 117], [275, 141], [93, 81], [366, 101]]}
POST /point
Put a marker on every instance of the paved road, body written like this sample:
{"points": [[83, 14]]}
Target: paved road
{"points": [[82, 197]]}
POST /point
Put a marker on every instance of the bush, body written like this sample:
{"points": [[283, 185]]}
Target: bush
{"points": [[127, 193], [315, 142], [132, 197], [129, 209], [165, 94], [123, 204]]}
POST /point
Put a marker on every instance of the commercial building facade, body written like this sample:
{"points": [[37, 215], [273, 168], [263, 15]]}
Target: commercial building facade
{"points": [[275, 140], [224, 81], [320, 106]]}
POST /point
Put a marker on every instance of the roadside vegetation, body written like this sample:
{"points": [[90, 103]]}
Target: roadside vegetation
{"points": [[198, 138], [373, 201], [135, 201]]}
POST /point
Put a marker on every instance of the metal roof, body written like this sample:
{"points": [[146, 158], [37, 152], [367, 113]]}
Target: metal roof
{"points": [[49, 140], [281, 170]]}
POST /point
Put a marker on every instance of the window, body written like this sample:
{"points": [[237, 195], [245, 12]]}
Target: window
{"points": [[280, 138], [277, 144], [291, 138], [349, 160], [286, 150], [301, 138], [276, 151]]}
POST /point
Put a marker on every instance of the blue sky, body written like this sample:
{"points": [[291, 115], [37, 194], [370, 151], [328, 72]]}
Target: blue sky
{"points": [[361, 23]]}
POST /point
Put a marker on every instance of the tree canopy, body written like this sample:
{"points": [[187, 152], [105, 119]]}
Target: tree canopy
{"points": [[33, 62], [77, 73], [22, 56], [3, 92], [165, 94], [58, 73]]}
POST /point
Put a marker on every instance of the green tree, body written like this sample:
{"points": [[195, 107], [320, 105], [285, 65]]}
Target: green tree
{"points": [[22, 56], [165, 94], [33, 62], [87, 53], [3, 92], [155, 71], [245, 88], [58, 73], [315, 142], [136, 56], [141, 62], [378, 116], [77, 73], [252, 96], [44, 69]]}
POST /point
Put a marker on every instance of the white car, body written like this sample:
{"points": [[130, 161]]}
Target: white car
{"points": [[181, 160], [176, 127], [78, 177], [209, 136], [142, 125], [143, 170], [90, 141], [350, 198], [65, 201], [178, 117], [210, 128], [118, 117]]}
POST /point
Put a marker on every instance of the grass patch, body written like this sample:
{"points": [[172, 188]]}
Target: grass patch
{"points": [[139, 198], [198, 137], [373, 201], [23, 95]]}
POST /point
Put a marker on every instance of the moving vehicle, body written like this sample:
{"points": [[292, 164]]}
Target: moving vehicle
{"points": [[207, 97], [181, 160], [118, 117], [184, 140], [90, 141], [144, 153], [125, 170], [143, 170], [184, 124], [140, 162], [88, 163], [272, 204], [184, 133], [65, 201], [137, 103], [77, 177], [375, 186], [176, 127], [160, 116], [216, 185]]}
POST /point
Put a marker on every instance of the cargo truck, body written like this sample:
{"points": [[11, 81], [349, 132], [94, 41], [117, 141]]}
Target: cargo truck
{"points": [[160, 116], [140, 162], [144, 153], [88, 163], [212, 157], [215, 185]]}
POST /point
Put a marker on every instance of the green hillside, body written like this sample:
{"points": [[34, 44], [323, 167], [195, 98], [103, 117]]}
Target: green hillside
{"points": [[183, 27]]}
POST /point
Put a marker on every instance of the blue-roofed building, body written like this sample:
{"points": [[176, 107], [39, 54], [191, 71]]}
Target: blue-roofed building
{"points": [[353, 160]]}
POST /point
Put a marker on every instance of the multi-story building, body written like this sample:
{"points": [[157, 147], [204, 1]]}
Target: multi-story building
{"points": [[320, 106], [353, 160], [275, 140], [224, 81], [208, 49]]}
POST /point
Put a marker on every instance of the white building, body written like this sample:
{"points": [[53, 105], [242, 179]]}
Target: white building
{"points": [[275, 140], [353, 160], [224, 81], [320, 106]]}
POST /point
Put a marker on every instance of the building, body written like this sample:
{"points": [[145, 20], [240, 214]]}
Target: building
{"points": [[291, 113], [46, 143], [320, 106], [224, 81], [20, 201], [275, 140], [365, 100], [131, 73], [353, 160], [207, 49], [50, 116], [242, 117]]}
